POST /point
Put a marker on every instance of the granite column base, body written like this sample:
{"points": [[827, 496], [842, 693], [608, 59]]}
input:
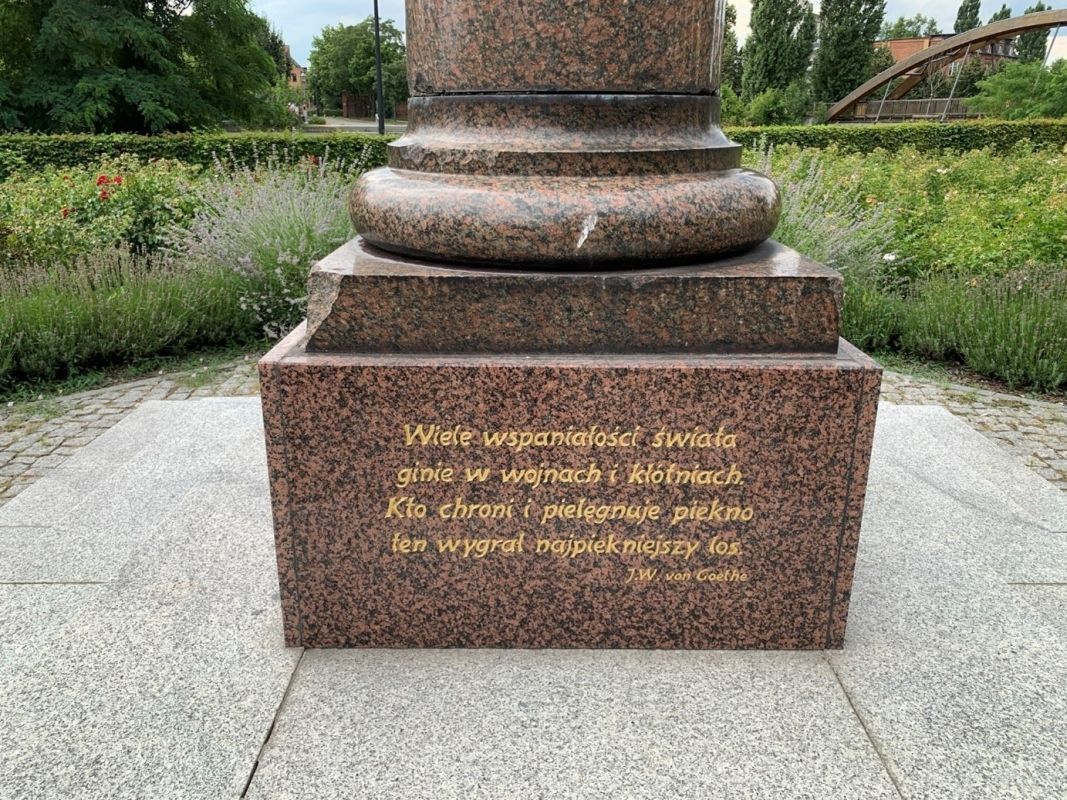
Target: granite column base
{"points": [[649, 500]]}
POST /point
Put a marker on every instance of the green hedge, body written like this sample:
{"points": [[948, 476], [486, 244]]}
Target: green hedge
{"points": [[33, 151], [1000, 135]]}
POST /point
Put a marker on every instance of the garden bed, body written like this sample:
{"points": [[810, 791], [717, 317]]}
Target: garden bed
{"points": [[159, 246]]}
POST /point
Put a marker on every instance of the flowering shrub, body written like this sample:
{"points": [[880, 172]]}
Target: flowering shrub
{"points": [[959, 257], [972, 213], [60, 214], [111, 307], [947, 256], [268, 224]]}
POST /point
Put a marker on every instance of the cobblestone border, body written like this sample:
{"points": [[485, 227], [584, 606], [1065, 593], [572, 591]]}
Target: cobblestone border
{"points": [[37, 437]]}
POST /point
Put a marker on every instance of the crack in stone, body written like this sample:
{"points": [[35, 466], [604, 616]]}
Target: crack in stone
{"points": [[273, 724], [971, 504], [875, 744]]}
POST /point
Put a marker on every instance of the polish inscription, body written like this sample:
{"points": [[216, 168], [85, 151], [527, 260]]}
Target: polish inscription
{"points": [[569, 512]]}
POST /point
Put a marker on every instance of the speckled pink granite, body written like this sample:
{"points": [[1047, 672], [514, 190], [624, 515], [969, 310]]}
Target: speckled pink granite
{"points": [[631, 46], [560, 222], [573, 134], [769, 300], [335, 426], [556, 133]]}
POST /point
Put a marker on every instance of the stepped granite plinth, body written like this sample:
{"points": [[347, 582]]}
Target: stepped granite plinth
{"points": [[771, 300], [563, 391], [518, 459]]}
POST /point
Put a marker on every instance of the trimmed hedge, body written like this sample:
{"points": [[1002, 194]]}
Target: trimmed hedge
{"points": [[999, 135], [34, 151]]}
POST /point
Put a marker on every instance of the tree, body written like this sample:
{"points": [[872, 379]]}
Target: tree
{"points": [[970, 73], [731, 53], [845, 57], [1004, 13], [787, 106], [778, 51], [271, 41], [732, 110], [881, 60], [1023, 91], [342, 60], [909, 28], [120, 65], [967, 17], [1032, 46]]}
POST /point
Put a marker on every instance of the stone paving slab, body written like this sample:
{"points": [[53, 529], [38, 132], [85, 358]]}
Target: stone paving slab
{"points": [[141, 651], [474, 725], [136, 691], [951, 658]]}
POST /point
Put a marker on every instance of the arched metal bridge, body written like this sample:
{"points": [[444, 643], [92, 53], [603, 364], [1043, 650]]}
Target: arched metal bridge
{"points": [[915, 67]]}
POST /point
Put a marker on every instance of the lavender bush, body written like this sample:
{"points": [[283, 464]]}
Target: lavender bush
{"points": [[111, 306], [822, 215], [268, 223]]}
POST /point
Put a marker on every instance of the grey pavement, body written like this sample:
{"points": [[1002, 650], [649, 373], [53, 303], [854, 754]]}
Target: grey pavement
{"points": [[354, 125], [141, 651]]}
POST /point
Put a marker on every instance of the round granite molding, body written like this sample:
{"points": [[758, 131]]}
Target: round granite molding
{"points": [[559, 222], [620, 46], [564, 135]]}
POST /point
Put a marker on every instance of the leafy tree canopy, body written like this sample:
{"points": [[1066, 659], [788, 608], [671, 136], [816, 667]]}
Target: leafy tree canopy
{"points": [[967, 17], [969, 74], [731, 53], [778, 53], [142, 66], [909, 27], [1031, 46], [271, 41], [845, 57], [881, 60], [1004, 13], [787, 106], [1023, 91], [342, 60]]}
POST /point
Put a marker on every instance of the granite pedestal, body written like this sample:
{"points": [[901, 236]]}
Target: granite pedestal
{"points": [[671, 458]]}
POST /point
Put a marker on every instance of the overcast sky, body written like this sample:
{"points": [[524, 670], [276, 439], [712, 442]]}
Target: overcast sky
{"points": [[300, 22]]}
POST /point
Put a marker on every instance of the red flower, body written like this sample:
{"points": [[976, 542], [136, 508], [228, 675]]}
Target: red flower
{"points": [[65, 212], [103, 179], [104, 194], [314, 159], [118, 180]]}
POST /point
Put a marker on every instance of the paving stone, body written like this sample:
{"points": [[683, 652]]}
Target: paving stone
{"points": [[960, 681], [78, 441], [47, 462], [1049, 600], [956, 673], [136, 691], [566, 724], [40, 448]]}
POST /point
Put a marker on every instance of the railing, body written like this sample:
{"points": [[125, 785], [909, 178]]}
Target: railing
{"points": [[896, 110]]}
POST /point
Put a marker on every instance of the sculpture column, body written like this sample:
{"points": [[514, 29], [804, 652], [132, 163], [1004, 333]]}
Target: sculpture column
{"points": [[561, 134]]}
